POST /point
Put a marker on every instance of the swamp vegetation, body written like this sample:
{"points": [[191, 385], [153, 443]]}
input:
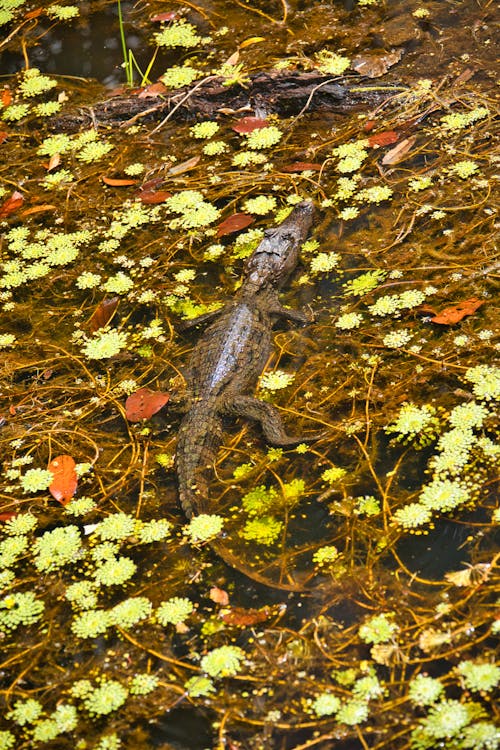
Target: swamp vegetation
{"points": [[126, 210]]}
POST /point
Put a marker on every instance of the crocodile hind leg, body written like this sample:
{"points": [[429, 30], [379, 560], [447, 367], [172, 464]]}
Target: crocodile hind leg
{"points": [[269, 418]]}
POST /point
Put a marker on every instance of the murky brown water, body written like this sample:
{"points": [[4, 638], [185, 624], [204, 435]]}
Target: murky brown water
{"points": [[340, 538]]}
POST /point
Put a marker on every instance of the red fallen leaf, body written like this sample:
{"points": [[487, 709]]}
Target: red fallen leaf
{"points": [[244, 617], [3, 135], [144, 403], [15, 201], [383, 139], [454, 314], [65, 478], [103, 314], [369, 125], [7, 516], [150, 196], [155, 89], [301, 166], [233, 223], [169, 16], [249, 124], [12, 410], [219, 596], [6, 97], [118, 181]]}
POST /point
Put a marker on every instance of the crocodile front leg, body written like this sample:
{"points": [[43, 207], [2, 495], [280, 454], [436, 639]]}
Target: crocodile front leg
{"points": [[269, 419]]}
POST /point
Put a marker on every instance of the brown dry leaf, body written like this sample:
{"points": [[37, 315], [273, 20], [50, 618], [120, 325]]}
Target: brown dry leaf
{"points": [[65, 480], [152, 91], [103, 314], [374, 66], [184, 166], [242, 617], [234, 223], [118, 181], [301, 166], [219, 596], [469, 576], [144, 403], [10, 205], [454, 314], [399, 152], [233, 59], [54, 162]]}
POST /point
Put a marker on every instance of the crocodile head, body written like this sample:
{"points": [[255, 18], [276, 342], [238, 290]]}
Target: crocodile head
{"points": [[278, 253]]}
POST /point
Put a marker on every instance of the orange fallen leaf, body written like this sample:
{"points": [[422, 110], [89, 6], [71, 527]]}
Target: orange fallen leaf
{"points": [[456, 313], [383, 139], [144, 403], [103, 314], [38, 209], [118, 181], [6, 97], [249, 124], [3, 135], [10, 205], [302, 166], [65, 480], [234, 223], [398, 153], [219, 596], [33, 14]]}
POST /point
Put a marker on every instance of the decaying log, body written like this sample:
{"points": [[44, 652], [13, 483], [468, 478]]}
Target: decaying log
{"points": [[284, 93]]}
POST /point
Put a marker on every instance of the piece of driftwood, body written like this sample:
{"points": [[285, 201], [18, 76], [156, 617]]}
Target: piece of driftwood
{"points": [[284, 93]]}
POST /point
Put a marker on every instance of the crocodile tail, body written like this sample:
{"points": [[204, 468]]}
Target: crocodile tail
{"points": [[238, 563], [200, 436]]}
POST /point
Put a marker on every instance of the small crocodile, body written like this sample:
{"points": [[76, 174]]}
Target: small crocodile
{"points": [[227, 361]]}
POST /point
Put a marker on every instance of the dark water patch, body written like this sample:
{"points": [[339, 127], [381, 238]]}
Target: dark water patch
{"points": [[183, 729]]}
